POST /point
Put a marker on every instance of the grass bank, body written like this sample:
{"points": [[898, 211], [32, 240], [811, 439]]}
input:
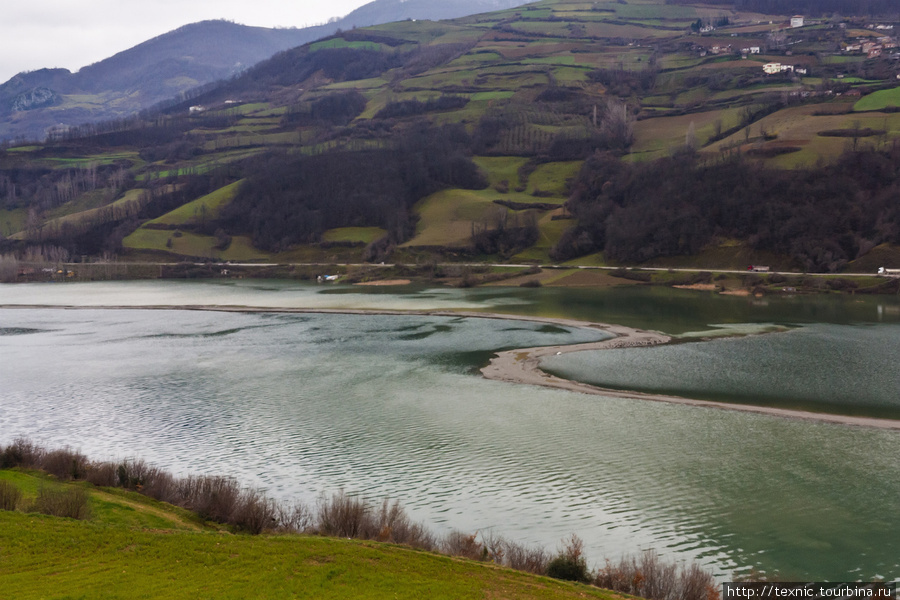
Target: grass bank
{"points": [[51, 557]]}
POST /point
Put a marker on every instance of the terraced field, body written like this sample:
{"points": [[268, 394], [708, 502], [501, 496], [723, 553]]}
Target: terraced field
{"points": [[545, 74]]}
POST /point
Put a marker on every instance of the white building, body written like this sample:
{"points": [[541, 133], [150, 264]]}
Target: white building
{"points": [[797, 21]]}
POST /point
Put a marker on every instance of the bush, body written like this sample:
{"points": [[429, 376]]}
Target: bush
{"points": [[102, 474], [649, 577], [71, 503], [65, 464], [255, 513], [464, 545], [9, 496], [21, 453], [216, 498], [570, 564], [394, 525], [345, 516], [532, 559]]}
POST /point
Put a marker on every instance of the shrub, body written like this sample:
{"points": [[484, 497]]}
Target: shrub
{"points": [[102, 474], [71, 502], [649, 577], [295, 518], [65, 464], [255, 513], [464, 545], [570, 563], [21, 453], [216, 498], [9, 496], [345, 516], [394, 525], [532, 559]]}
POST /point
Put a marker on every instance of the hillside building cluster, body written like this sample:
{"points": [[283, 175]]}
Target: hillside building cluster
{"points": [[845, 38]]}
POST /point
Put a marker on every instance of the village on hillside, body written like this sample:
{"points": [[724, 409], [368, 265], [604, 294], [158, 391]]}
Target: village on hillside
{"points": [[800, 47]]}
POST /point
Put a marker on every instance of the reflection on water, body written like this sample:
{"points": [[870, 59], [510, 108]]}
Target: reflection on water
{"points": [[303, 404], [665, 309]]}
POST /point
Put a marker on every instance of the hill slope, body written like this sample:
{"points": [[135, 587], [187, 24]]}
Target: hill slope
{"points": [[178, 61], [468, 139], [135, 547]]}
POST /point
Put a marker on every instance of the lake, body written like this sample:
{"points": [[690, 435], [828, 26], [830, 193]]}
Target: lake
{"points": [[305, 404]]}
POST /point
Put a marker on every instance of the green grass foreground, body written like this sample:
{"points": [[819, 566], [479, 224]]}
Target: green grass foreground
{"points": [[135, 547], [49, 557]]}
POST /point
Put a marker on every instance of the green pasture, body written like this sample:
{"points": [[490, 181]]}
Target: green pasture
{"points": [[500, 168], [635, 31], [254, 139], [365, 235], [12, 221], [83, 162], [842, 59], [879, 100], [192, 245], [85, 201], [549, 233], [553, 177], [205, 207], [662, 134], [135, 547], [422, 32], [342, 43], [358, 84], [447, 218], [47, 557]]}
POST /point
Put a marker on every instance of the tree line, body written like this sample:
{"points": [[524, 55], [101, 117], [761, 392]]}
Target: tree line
{"points": [[821, 217]]}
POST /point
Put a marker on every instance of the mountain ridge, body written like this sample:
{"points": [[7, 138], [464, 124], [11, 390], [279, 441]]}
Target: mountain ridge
{"points": [[175, 62]]}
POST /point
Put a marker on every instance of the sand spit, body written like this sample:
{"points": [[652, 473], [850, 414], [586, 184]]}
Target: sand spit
{"points": [[386, 282], [523, 365]]}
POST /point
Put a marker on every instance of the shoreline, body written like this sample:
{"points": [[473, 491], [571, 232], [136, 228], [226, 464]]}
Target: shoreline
{"points": [[522, 365]]}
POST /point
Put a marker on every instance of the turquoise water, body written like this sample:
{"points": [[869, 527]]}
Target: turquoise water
{"points": [[304, 404]]}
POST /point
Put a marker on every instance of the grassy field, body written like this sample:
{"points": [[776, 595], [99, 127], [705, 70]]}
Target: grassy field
{"points": [[447, 217], [354, 234], [12, 221], [192, 245], [800, 126], [554, 177], [205, 207], [135, 547], [879, 100]]}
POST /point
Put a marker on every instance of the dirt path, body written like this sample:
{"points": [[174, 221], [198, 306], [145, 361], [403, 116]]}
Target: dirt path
{"points": [[146, 509]]}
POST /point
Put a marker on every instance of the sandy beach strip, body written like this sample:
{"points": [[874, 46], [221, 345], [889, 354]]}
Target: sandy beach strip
{"points": [[522, 365]]}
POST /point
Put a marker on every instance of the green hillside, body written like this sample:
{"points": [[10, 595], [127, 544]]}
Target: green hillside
{"points": [[135, 547], [467, 137]]}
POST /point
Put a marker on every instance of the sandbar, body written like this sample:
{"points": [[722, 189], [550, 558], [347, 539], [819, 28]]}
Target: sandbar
{"points": [[522, 365]]}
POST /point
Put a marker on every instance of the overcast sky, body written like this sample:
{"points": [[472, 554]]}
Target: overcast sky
{"points": [[75, 33]]}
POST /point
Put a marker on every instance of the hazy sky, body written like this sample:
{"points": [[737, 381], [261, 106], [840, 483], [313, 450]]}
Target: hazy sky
{"points": [[74, 33]]}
